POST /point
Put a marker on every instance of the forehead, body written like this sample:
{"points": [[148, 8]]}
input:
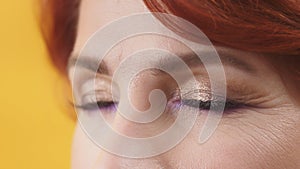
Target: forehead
{"points": [[95, 14]]}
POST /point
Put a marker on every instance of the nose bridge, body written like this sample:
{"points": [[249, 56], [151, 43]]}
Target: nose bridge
{"points": [[149, 93], [140, 89], [138, 95], [146, 82]]}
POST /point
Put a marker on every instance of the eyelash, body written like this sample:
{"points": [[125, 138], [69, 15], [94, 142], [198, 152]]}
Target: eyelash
{"points": [[206, 105], [110, 106], [102, 105]]}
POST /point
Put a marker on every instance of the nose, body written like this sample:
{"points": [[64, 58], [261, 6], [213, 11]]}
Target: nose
{"points": [[139, 97]]}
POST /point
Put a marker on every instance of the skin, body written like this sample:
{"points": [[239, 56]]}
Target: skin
{"points": [[264, 134]]}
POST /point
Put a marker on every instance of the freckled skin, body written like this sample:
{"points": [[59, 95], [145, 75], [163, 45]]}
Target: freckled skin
{"points": [[263, 136]]}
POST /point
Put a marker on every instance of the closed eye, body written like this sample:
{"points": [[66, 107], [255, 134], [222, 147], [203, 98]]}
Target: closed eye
{"points": [[206, 105], [99, 105]]}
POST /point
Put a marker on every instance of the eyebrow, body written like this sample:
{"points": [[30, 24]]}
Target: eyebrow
{"points": [[88, 63], [227, 58]]}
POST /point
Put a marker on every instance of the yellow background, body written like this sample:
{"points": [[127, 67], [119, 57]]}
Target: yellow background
{"points": [[35, 130]]}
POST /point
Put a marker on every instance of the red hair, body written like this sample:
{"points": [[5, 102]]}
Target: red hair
{"points": [[269, 27], [58, 23], [252, 25]]}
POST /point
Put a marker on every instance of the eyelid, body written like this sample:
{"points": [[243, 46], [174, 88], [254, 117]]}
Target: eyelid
{"points": [[95, 96], [203, 94], [99, 86], [95, 83]]}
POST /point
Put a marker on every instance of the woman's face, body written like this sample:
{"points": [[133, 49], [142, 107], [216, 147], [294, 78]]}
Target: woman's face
{"points": [[259, 131]]}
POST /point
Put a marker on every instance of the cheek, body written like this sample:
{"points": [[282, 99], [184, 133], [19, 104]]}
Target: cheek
{"points": [[255, 141], [84, 152], [261, 139]]}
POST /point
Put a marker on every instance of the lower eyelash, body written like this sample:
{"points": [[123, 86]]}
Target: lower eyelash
{"points": [[206, 105], [100, 105], [110, 106]]}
